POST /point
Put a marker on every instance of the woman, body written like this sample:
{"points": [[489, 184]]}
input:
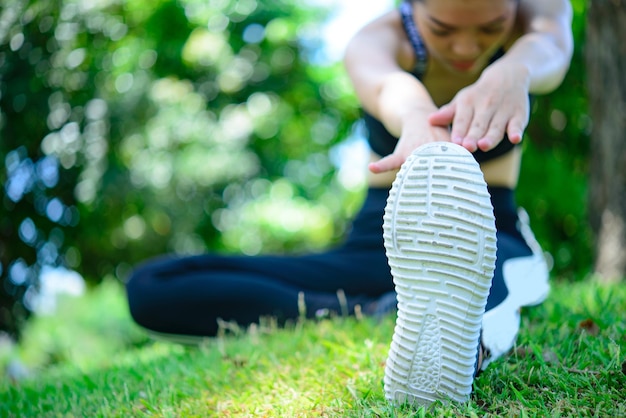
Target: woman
{"points": [[432, 63], [470, 65]]}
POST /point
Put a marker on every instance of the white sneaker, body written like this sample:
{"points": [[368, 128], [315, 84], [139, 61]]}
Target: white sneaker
{"points": [[440, 238], [526, 280]]}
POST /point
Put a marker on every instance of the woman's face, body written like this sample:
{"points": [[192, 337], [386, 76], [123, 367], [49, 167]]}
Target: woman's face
{"points": [[464, 34]]}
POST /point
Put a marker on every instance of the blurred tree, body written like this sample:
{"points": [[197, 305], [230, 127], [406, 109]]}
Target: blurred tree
{"points": [[606, 68], [37, 203], [134, 128]]}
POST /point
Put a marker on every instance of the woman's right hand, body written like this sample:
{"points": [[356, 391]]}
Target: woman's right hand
{"points": [[416, 131]]}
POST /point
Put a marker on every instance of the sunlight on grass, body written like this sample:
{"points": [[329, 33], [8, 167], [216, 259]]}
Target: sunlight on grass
{"points": [[86, 332], [90, 360]]}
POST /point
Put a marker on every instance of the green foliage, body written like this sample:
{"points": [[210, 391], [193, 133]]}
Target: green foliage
{"points": [[159, 125]]}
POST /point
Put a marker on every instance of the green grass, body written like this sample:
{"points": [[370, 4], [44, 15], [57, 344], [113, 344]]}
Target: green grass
{"points": [[89, 360]]}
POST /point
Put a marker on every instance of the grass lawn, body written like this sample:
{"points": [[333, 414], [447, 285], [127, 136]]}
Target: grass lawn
{"points": [[89, 360]]}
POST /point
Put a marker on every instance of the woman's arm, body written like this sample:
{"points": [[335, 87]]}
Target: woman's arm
{"points": [[374, 59], [547, 45]]}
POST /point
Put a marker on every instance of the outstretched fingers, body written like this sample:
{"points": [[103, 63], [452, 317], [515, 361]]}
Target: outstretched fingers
{"points": [[515, 129], [482, 131], [468, 126], [442, 116], [388, 163], [460, 118], [493, 133]]}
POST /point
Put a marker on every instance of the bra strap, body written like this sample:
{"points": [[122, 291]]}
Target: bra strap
{"points": [[421, 56]]}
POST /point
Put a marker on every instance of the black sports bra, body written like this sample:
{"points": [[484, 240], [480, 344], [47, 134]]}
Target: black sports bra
{"points": [[378, 137]]}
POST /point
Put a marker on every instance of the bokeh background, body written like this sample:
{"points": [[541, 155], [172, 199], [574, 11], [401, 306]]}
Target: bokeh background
{"points": [[129, 129]]}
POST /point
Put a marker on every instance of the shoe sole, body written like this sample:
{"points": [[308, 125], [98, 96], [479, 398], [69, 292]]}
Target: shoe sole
{"points": [[440, 239]]}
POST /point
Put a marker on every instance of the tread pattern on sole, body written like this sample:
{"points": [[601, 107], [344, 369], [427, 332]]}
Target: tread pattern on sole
{"points": [[440, 239]]}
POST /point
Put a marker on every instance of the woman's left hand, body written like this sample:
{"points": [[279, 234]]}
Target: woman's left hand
{"points": [[481, 113]]}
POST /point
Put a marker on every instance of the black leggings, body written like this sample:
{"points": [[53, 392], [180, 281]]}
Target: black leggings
{"points": [[187, 295]]}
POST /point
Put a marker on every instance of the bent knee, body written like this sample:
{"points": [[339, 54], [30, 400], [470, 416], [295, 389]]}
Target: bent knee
{"points": [[142, 294]]}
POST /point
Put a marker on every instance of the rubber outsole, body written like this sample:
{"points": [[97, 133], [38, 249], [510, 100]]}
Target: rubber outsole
{"points": [[440, 240]]}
